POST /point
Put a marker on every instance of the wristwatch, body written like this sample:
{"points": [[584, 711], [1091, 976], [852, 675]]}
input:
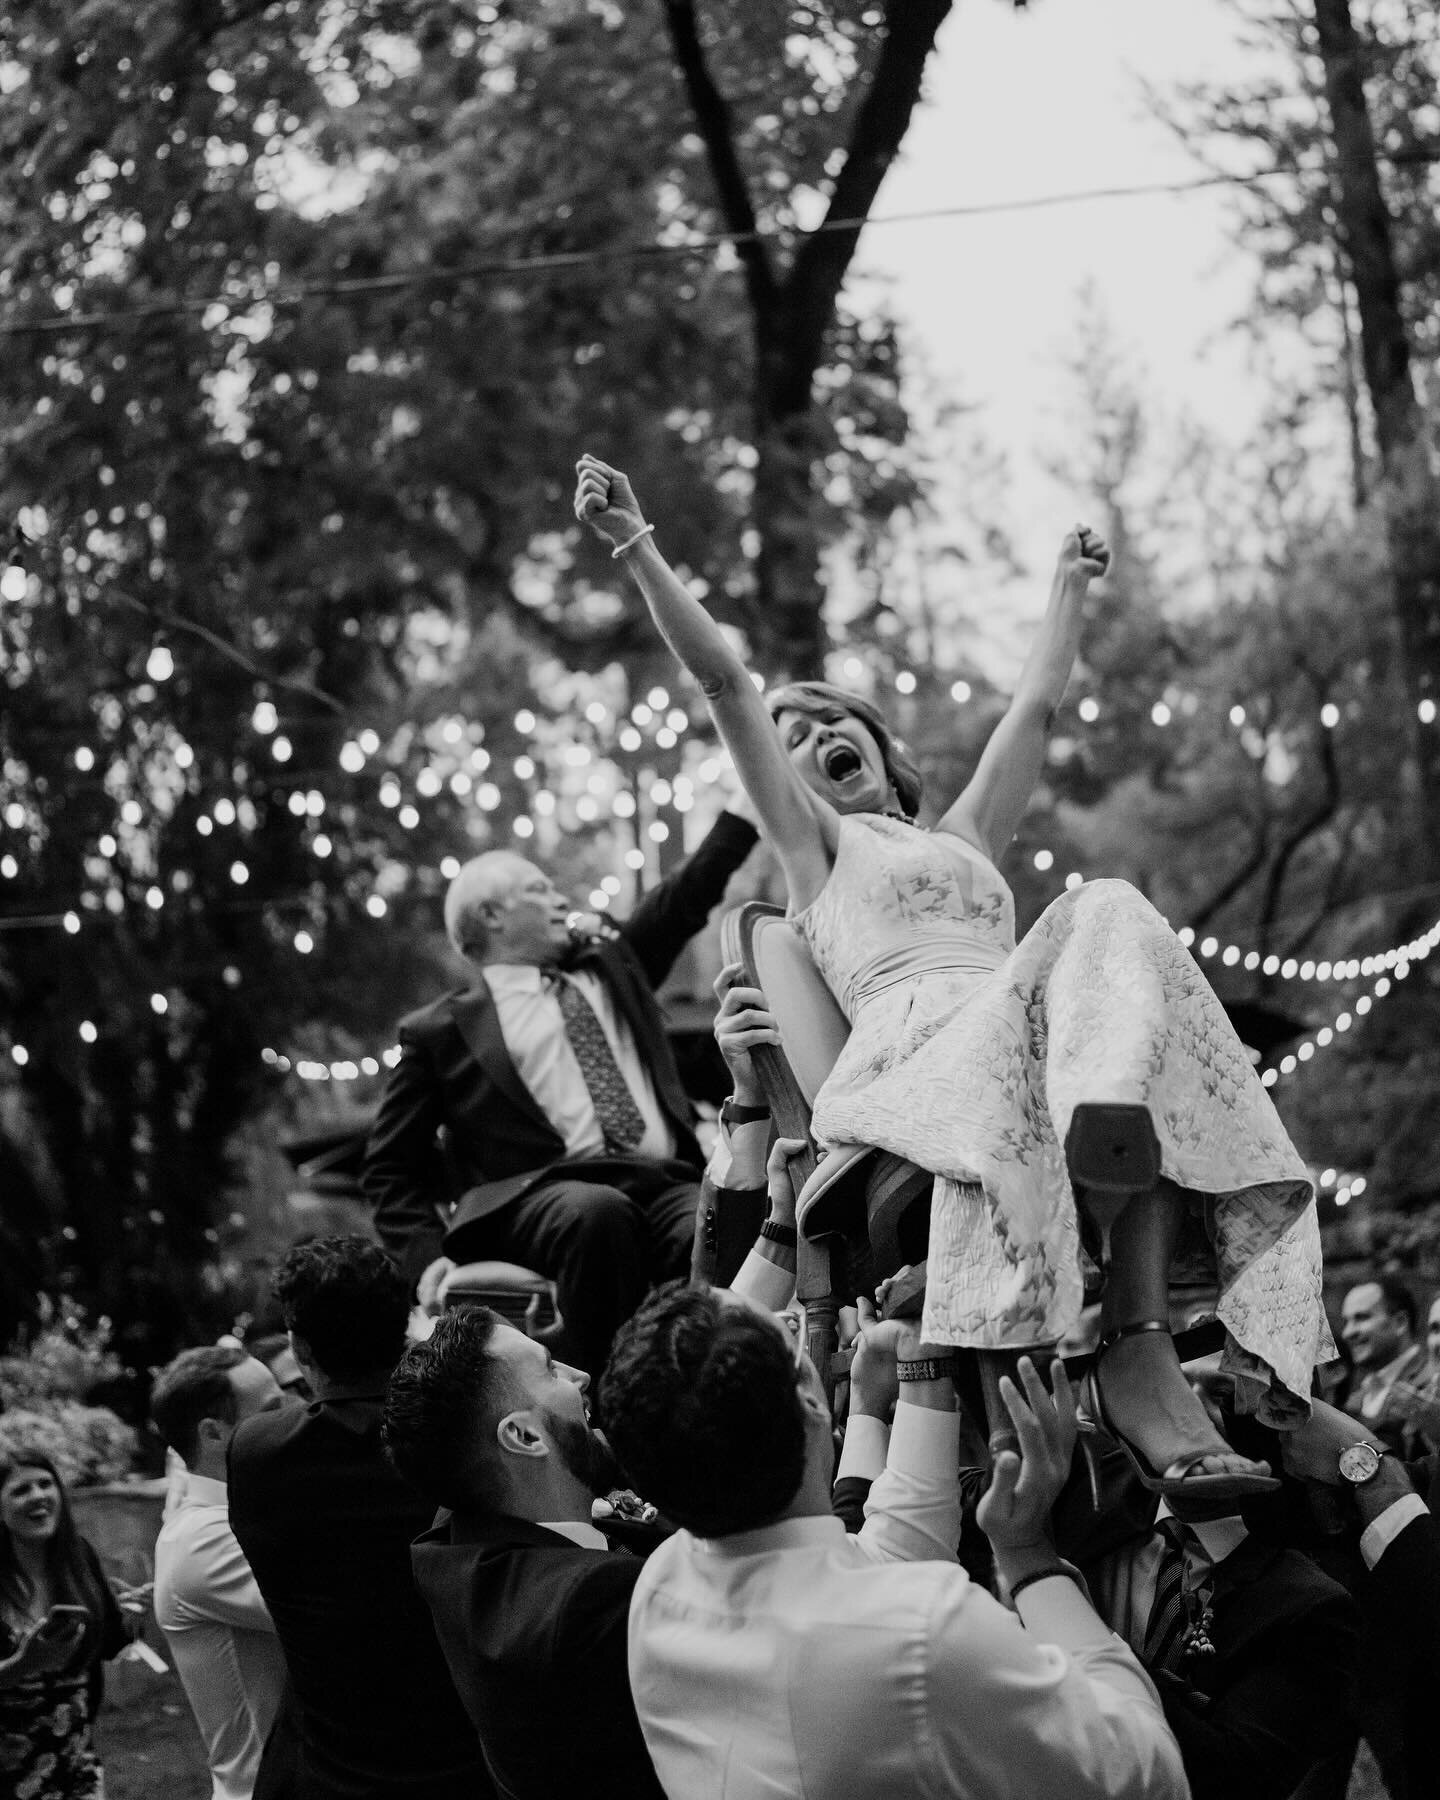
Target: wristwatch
{"points": [[733, 1113], [1359, 1463], [926, 1368]]}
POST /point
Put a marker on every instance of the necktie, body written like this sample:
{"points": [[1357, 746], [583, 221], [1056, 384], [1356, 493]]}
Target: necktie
{"points": [[614, 1104], [1168, 1627]]}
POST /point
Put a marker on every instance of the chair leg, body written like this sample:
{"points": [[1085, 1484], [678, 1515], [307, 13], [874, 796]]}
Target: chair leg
{"points": [[992, 1364]]}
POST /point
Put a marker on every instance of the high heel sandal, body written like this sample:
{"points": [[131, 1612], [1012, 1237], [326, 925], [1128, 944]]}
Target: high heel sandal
{"points": [[1230, 1484]]}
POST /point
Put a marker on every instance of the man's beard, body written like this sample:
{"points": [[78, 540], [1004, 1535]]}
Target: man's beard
{"points": [[587, 1456]]}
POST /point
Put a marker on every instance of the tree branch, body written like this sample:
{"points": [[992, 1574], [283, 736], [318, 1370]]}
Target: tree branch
{"points": [[880, 125], [1228, 889], [713, 118]]}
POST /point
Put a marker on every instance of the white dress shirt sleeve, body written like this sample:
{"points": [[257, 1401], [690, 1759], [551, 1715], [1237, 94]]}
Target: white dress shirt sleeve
{"points": [[1019, 1716], [215, 1582], [1381, 1533], [866, 1448], [913, 1512]]}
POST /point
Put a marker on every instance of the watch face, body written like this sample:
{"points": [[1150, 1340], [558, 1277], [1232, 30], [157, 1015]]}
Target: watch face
{"points": [[1359, 1463]]}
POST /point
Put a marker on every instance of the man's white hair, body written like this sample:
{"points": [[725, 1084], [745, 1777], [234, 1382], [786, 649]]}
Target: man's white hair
{"points": [[492, 876]]}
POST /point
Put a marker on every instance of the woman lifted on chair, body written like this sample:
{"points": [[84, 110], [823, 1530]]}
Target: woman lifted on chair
{"points": [[977, 1059]]}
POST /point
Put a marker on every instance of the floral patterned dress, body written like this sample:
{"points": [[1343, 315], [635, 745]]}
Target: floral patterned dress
{"points": [[47, 1751], [968, 1054]]}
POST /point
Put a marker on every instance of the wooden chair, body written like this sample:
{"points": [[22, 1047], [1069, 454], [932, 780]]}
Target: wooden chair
{"points": [[861, 1213], [520, 1296]]}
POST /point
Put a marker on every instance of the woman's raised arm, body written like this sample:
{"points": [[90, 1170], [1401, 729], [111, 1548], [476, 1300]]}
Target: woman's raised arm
{"points": [[803, 829], [989, 811]]}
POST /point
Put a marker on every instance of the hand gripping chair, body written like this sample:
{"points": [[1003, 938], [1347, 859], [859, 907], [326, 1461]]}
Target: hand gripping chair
{"points": [[861, 1212]]}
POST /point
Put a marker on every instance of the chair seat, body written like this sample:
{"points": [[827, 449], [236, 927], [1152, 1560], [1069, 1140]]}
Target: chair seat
{"points": [[519, 1295]]}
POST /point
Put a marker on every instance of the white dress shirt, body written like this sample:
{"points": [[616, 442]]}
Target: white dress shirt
{"points": [[220, 1634], [533, 1027], [797, 1661]]}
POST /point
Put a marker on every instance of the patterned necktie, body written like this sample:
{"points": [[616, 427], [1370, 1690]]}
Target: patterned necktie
{"points": [[1166, 1628], [619, 1117]]}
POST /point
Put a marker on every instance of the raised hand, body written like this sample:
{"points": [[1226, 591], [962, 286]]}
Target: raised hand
{"points": [[778, 1178], [879, 1345], [742, 1022], [1084, 556], [605, 500], [1015, 1512]]}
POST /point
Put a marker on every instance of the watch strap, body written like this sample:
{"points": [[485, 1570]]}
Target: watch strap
{"points": [[732, 1113], [780, 1234]]}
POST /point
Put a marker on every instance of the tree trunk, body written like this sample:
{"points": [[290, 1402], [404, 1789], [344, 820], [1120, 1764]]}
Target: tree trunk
{"points": [[791, 315], [1409, 492]]}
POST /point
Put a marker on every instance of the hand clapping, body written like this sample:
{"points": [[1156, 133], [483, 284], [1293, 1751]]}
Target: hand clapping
{"points": [[1016, 1509]]}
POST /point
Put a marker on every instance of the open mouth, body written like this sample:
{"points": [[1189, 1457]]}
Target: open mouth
{"points": [[841, 761]]}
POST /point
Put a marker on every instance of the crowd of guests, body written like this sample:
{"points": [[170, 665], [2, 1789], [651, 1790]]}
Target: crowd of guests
{"points": [[405, 1560], [432, 1577]]}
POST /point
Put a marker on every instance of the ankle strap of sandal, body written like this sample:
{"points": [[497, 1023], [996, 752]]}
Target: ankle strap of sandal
{"points": [[1125, 1331]]}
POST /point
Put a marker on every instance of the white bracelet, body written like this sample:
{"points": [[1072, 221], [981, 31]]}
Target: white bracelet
{"points": [[630, 543]]}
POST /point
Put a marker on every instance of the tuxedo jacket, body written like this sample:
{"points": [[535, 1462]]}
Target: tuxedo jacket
{"points": [[456, 1076], [1276, 1697], [1399, 1686], [533, 1628], [326, 1525]]}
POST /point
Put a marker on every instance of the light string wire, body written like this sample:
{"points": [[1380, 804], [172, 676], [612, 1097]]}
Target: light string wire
{"points": [[344, 287]]}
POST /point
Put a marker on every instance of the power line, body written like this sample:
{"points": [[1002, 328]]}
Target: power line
{"points": [[344, 287]]}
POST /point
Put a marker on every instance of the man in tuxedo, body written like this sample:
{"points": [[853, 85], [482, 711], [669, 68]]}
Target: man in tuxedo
{"points": [[1378, 1322], [1395, 1577], [529, 1596], [567, 1133], [1252, 1648], [326, 1525]]}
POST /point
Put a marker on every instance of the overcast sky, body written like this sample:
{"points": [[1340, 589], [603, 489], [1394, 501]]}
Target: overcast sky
{"points": [[1049, 101]]}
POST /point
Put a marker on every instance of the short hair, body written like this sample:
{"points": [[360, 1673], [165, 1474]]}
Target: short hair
{"points": [[443, 1401], [1395, 1297], [702, 1408], [348, 1301], [194, 1386], [482, 879], [816, 697]]}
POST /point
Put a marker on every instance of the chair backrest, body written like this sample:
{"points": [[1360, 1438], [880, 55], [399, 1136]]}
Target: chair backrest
{"points": [[810, 1021]]}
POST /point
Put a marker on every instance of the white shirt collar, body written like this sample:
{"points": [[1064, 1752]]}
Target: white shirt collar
{"points": [[1218, 1538], [588, 1537], [513, 978], [204, 1490]]}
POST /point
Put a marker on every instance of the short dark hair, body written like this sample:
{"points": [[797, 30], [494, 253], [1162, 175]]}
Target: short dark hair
{"points": [[348, 1301], [1396, 1298], [702, 1407], [443, 1399], [194, 1386], [817, 697]]}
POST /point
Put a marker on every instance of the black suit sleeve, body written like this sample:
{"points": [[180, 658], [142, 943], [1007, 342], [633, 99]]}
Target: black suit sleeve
{"points": [[402, 1166], [1400, 1663], [727, 1223], [1288, 1709], [671, 913]]}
